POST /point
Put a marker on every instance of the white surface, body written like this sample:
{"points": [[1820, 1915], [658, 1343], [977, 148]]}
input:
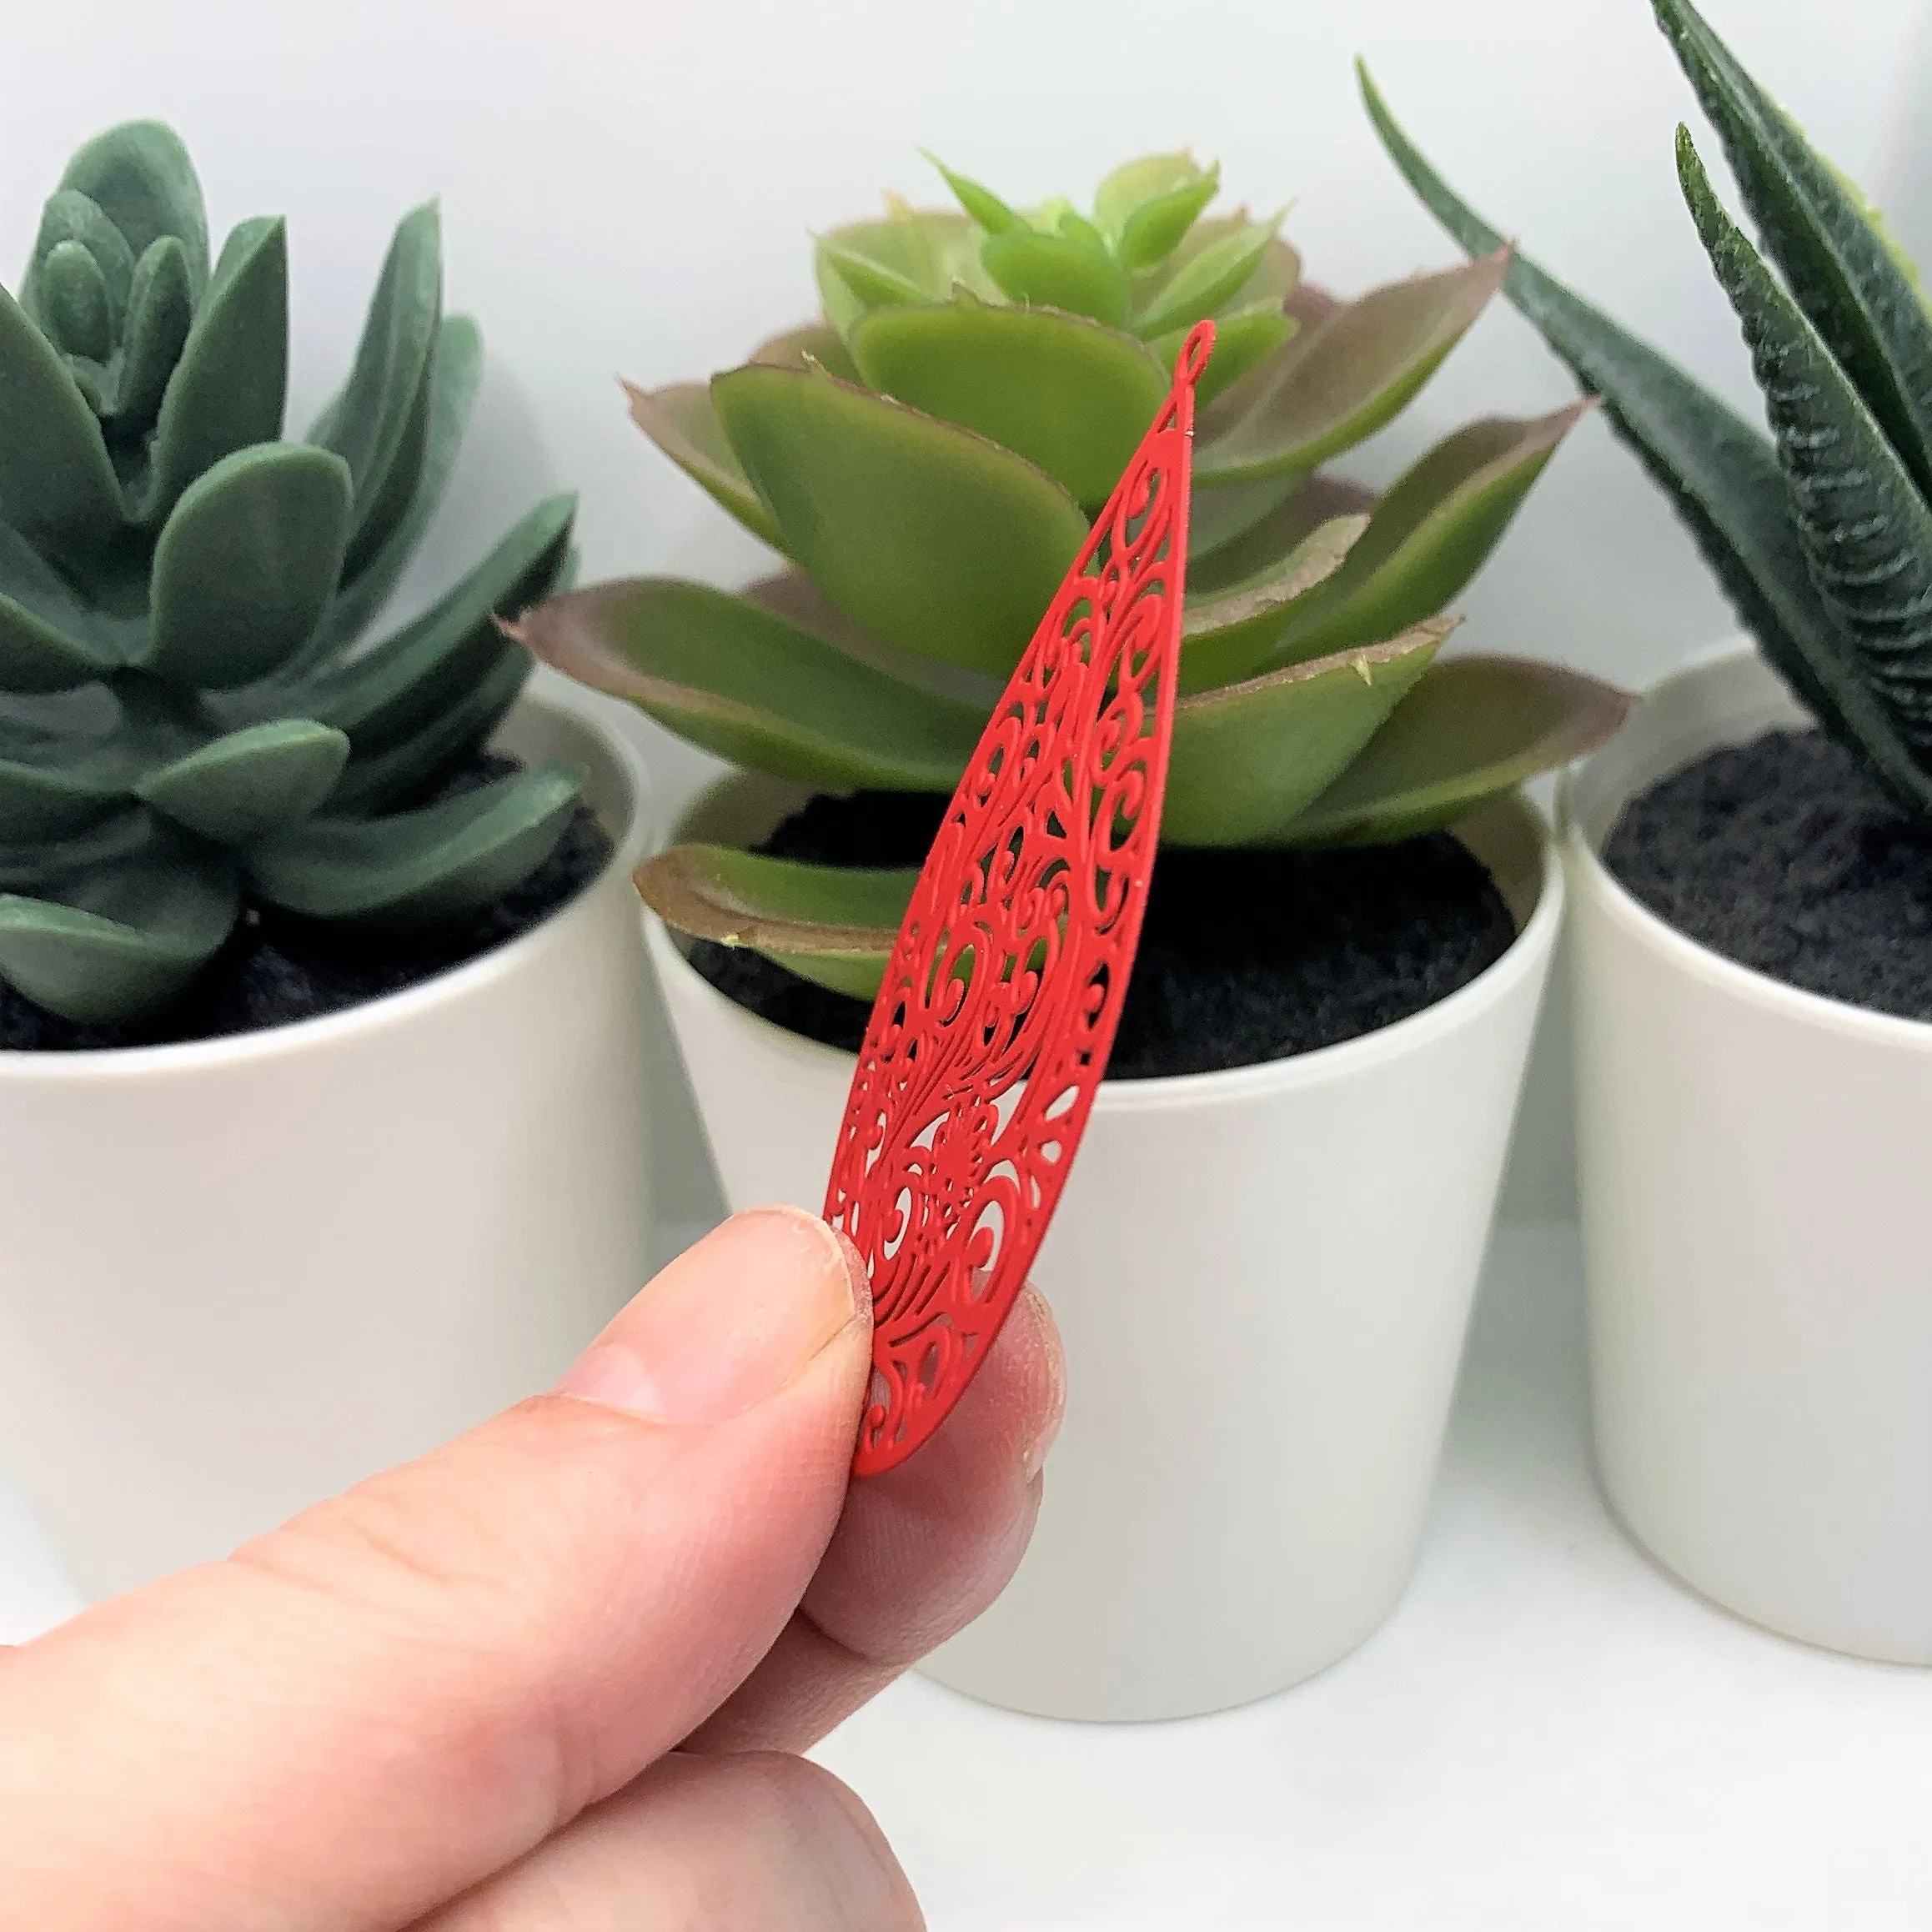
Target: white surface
{"points": [[1547, 1737], [1257, 1381], [629, 189], [1753, 1185], [240, 1274]]}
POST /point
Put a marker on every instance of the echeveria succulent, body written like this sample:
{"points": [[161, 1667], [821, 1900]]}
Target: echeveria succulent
{"points": [[927, 455], [187, 717], [1820, 534]]}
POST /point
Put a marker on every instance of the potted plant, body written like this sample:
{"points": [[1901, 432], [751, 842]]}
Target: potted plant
{"points": [[1332, 990], [1752, 864], [320, 1081]]}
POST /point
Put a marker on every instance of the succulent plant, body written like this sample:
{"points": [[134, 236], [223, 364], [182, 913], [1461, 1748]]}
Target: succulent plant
{"points": [[1820, 534], [188, 718], [926, 456]]}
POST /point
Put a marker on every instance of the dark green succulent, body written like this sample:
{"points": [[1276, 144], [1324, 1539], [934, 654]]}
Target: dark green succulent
{"points": [[1820, 534], [927, 456], [188, 717]]}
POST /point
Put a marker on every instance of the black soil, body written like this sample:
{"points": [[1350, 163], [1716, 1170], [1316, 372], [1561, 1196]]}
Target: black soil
{"points": [[276, 968], [1245, 956], [1784, 856]]}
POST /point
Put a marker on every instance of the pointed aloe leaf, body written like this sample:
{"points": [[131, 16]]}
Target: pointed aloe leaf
{"points": [[140, 176], [160, 313], [982, 203], [1429, 535], [1056, 272], [417, 868], [809, 342], [1865, 531], [373, 781], [1472, 728], [246, 566], [1136, 185], [1227, 635], [250, 783], [49, 640], [1253, 537], [120, 930], [57, 487], [1202, 283], [1342, 379], [832, 924], [1721, 475], [384, 694], [1069, 395], [230, 387], [749, 685], [454, 376], [1250, 758], [940, 542], [1242, 340], [1837, 262], [379, 423], [681, 421]]}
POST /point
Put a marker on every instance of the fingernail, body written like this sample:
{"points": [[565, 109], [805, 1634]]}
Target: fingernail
{"points": [[1033, 1460], [730, 1323]]}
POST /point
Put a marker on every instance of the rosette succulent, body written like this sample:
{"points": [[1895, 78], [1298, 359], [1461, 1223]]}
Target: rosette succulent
{"points": [[190, 717], [1820, 534], [927, 455]]}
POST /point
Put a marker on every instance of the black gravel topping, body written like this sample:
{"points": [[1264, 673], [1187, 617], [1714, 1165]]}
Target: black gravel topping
{"points": [[276, 968], [1244, 957], [1784, 856]]}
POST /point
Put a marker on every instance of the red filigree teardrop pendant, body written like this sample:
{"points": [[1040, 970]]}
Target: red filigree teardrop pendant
{"points": [[997, 1011]]}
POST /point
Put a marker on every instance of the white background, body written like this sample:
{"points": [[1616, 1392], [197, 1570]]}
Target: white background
{"points": [[630, 189]]}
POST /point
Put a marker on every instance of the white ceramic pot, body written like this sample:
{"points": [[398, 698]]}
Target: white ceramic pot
{"points": [[238, 1275], [1263, 1278], [1752, 1173]]}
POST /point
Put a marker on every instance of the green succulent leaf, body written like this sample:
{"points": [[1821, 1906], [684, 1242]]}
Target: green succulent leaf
{"points": [[1135, 183], [57, 487], [454, 372], [1207, 279], [250, 783], [1276, 277], [54, 791], [75, 307], [1344, 378], [748, 685], [874, 284], [833, 925], [1056, 271], [982, 203], [1227, 635], [140, 177], [1256, 542], [1157, 226], [378, 424], [682, 422], [230, 387], [1472, 728], [1070, 395], [1242, 340], [923, 252], [160, 313], [120, 925], [809, 342], [387, 694], [72, 220], [1429, 535], [938, 541], [49, 640], [1865, 531], [1217, 516], [246, 566], [1721, 475], [417, 868], [1248, 759], [1840, 267]]}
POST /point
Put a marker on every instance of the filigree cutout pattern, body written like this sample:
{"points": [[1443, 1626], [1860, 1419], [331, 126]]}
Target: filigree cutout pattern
{"points": [[993, 1024]]}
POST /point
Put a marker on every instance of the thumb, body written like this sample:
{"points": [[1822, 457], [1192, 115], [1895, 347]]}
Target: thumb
{"points": [[352, 1719]]}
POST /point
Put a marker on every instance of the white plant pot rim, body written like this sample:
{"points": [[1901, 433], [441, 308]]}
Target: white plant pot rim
{"points": [[120, 1064], [1678, 949], [1320, 1066]]}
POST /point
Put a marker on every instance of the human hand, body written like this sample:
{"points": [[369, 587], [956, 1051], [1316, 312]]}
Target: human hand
{"points": [[549, 1679]]}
